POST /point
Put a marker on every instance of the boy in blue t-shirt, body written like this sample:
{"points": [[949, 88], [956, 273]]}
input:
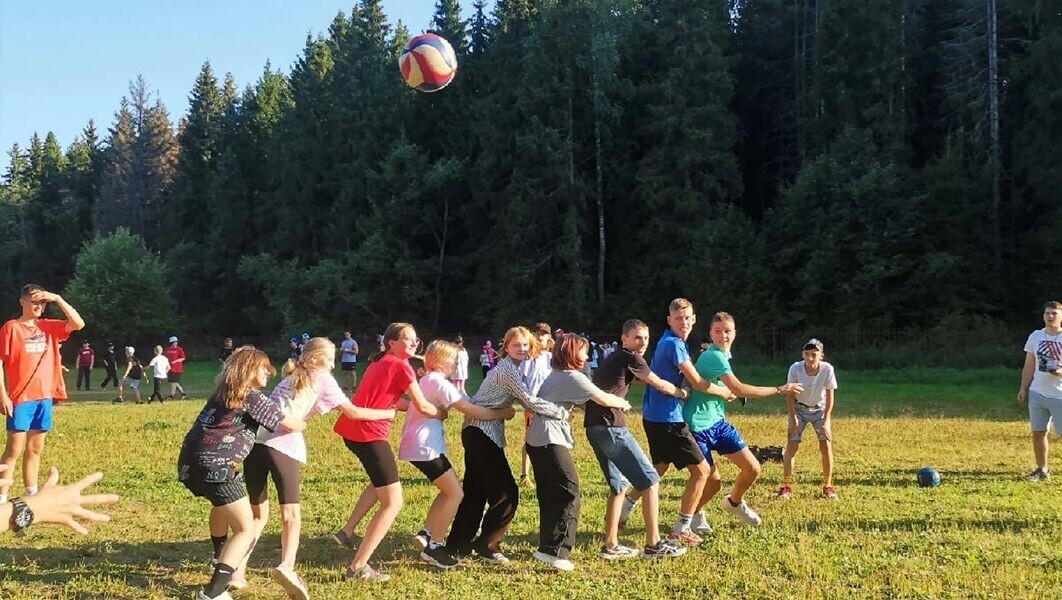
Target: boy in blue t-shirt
{"points": [[706, 417], [669, 439]]}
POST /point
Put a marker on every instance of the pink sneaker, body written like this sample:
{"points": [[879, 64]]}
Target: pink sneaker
{"points": [[784, 492], [685, 537], [828, 493]]}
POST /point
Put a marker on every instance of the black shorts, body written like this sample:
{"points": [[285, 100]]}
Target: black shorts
{"points": [[378, 460], [219, 494], [435, 468], [264, 461], [671, 443], [174, 377], [348, 366]]}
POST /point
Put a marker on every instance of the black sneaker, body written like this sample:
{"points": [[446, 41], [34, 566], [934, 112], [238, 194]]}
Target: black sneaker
{"points": [[438, 556], [184, 396], [663, 549], [1038, 474]]}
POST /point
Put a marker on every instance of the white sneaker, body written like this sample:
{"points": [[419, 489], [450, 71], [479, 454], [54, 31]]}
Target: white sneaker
{"points": [[291, 582], [561, 564], [202, 596], [700, 525], [742, 511]]}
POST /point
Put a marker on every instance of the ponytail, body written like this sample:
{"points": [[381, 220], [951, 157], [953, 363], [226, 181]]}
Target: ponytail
{"points": [[391, 334]]}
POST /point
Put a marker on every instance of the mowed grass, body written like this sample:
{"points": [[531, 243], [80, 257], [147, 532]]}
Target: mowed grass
{"points": [[984, 533]]}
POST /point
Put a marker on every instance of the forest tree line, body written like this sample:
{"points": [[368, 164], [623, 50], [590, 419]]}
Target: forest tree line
{"points": [[838, 163]]}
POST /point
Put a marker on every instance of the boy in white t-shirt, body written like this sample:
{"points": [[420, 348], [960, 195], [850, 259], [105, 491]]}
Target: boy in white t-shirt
{"points": [[812, 406], [1042, 377], [161, 369]]}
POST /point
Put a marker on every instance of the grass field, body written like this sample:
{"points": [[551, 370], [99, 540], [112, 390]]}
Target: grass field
{"points": [[984, 533]]}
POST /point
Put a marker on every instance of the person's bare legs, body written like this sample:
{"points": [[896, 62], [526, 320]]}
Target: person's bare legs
{"points": [[290, 530], [826, 448], [711, 487], [31, 462], [750, 471], [390, 497], [1041, 447], [365, 503], [694, 487], [444, 507], [788, 461], [16, 445]]}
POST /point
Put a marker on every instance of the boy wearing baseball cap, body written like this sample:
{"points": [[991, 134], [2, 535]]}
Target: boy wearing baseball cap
{"points": [[812, 406]]}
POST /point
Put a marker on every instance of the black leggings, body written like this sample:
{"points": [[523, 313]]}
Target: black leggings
{"points": [[488, 484]]}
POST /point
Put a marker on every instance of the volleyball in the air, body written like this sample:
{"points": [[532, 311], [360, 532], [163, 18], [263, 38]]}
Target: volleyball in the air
{"points": [[428, 63]]}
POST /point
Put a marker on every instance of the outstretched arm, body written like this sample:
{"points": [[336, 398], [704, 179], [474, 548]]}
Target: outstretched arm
{"points": [[701, 384], [518, 390], [61, 504], [754, 391]]}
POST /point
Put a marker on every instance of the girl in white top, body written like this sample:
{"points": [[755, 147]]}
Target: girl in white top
{"points": [[424, 445], [308, 389], [460, 375]]}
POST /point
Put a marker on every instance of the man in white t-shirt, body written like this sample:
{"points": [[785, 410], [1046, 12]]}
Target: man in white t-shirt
{"points": [[348, 360], [812, 406], [1042, 377]]}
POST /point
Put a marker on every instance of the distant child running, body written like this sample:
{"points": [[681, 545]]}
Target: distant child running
{"points": [[814, 405], [217, 443], [161, 366], [424, 444], [134, 371]]}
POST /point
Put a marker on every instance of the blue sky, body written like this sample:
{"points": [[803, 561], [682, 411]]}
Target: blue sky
{"points": [[64, 62]]}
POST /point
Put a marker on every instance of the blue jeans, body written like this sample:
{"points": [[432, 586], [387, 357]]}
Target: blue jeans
{"points": [[621, 458]]}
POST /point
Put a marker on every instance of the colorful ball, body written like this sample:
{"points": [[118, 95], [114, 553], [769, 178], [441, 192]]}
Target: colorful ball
{"points": [[428, 63], [928, 477]]}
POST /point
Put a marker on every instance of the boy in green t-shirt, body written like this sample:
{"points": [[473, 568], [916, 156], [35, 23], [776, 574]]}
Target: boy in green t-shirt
{"points": [[705, 416]]}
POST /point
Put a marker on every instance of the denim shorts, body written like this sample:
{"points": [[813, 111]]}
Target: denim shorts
{"points": [[1043, 410], [621, 458], [720, 437], [35, 415], [805, 416]]}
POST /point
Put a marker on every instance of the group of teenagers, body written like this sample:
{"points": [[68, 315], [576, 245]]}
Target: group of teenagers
{"points": [[242, 438]]}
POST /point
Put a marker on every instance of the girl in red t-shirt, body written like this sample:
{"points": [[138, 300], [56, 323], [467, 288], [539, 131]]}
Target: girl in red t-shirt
{"points": [[388, 376]]}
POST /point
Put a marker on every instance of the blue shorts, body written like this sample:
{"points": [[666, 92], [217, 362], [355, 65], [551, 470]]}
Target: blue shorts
{"points": [[35, 415], [621, 458], [721, 437]]}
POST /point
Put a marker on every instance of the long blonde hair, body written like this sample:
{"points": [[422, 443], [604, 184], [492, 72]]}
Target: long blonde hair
{"points": [[236, 380], [315, 355]]}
